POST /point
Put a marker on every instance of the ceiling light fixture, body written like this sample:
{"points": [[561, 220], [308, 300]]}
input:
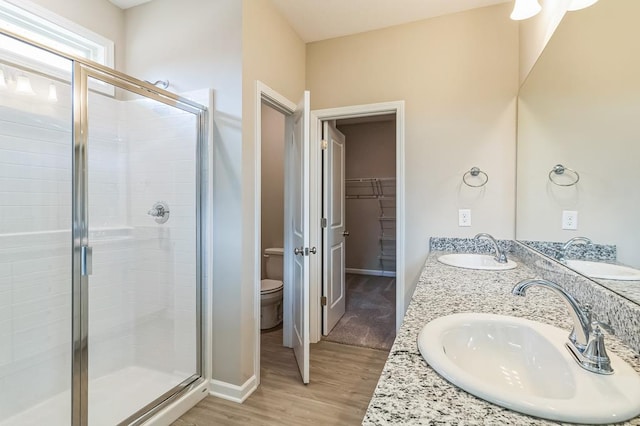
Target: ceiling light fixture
{"points": [[525, 9], [23, 85], [580, 4], [53, 93]]}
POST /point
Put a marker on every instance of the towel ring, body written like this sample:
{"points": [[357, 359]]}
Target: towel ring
{"points": [[164, 84], [558, 170], [473, 172]]}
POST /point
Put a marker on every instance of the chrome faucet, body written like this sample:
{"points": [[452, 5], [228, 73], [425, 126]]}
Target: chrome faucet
{"points": [[586, 340], [560, 255], [501, 256]]}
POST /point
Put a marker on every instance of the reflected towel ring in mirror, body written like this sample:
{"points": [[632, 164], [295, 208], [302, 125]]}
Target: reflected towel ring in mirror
{"points": [[475, 172], [164, 84], [558, 170]]}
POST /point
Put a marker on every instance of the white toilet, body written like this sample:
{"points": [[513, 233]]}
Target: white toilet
{"points": [[271, 289]]}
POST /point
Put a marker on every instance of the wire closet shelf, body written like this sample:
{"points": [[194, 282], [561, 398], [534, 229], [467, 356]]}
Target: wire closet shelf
{"points": [[382, 189]]}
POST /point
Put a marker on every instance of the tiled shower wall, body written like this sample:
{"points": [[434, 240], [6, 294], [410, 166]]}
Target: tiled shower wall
{"points": [[35, 248], [135, 159], [162, 163]]}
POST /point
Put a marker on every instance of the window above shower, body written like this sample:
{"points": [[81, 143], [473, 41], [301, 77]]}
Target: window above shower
{"points": [[35, 23]]}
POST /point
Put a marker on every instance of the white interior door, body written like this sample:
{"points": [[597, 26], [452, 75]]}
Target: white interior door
{"points": [[299, 223], [333, 285]]}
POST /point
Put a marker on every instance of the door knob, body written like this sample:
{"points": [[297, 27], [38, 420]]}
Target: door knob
{"points": [[345, 233], [298, 251], [313, 250]]}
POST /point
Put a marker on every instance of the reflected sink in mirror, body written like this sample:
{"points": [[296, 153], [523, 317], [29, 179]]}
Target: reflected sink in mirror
{"points": [[476, 261], [603, 270], [523, 365]]}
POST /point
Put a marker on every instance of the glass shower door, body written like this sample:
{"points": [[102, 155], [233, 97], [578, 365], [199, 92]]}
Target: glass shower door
{"points": [[35, 236], [143, 297]]}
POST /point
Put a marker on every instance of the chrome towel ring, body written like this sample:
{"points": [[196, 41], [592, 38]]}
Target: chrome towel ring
{"points": [[164, 84], [559, 170], [474, 172]]}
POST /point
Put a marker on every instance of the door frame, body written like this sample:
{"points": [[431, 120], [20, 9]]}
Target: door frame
{"points": [[354, 111], [265, 94]]}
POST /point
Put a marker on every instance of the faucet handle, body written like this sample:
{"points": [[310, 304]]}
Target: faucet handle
{"points": [[595, 322], [595, 354], [596, 325]]}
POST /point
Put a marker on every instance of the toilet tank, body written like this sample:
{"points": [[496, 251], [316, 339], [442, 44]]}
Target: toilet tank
{"points": [[274, 262]]}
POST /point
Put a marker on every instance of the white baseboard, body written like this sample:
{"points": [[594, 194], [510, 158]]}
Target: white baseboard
{"points": [[176, 409], [231, 392], [374, 272]]}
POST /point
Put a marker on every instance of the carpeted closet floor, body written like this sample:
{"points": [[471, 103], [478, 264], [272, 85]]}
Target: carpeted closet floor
{"points": [[370, 315]]}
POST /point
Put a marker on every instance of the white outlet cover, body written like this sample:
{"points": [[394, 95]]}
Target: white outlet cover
{"points": [[569, 219], [464, 217]]}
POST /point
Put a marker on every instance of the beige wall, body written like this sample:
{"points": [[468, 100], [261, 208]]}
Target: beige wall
{"points": [[579, 107], [272, 180], [370, 151], [99, 16], [273, 53], [195, 44], [536, 32], [458, 75]]}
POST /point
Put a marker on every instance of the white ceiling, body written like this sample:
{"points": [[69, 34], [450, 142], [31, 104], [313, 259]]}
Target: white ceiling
{"points": [[126, 4], [317, 20]]}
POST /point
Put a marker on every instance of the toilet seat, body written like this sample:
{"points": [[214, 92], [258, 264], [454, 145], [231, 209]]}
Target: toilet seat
{"points": [[270, 286]]}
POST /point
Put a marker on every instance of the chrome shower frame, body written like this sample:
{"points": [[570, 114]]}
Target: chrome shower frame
{"points": [[84, 69]]}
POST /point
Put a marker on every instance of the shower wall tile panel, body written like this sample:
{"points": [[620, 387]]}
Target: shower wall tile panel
{"points": [[35, 169], [35, 247], [162, 167]]}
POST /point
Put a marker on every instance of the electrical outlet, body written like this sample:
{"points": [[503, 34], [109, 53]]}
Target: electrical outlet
{"points": [[569, 219], [464, 217]]}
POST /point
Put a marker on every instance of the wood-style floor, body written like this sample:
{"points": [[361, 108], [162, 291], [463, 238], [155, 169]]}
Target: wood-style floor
{"points": [[342, 381]]}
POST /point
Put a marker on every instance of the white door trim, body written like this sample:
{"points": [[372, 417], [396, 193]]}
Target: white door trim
{"points": [[317, 116], [265, 94]]}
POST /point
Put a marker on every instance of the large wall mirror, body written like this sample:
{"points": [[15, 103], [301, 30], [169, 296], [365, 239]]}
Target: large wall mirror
{"points": [[580, 107]]}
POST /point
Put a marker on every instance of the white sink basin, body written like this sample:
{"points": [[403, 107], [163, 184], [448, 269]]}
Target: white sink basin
{"points": [[605, 271], [523, 365], [475, 261]]}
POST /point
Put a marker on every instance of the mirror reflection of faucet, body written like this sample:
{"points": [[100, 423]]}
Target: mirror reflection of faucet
{"points": [[561, 254], [160, 212]]}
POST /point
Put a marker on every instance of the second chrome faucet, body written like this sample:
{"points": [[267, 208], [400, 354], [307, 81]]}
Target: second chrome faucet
{"points": [[501, 256]]}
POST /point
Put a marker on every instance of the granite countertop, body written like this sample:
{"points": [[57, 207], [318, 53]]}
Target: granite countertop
{"points": [[410, 392]]}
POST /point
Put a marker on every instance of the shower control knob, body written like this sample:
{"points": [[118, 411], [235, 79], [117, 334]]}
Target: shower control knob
{"points": [[160, 212]]}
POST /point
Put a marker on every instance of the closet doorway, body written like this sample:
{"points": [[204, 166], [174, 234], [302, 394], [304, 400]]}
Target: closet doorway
{"points": [[359, 207]]}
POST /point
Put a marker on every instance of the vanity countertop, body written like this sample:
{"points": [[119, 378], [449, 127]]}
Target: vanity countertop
{"points": [[409, 392]]}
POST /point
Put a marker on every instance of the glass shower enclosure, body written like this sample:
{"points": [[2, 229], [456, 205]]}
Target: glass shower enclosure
{"points": [[101, 209]]}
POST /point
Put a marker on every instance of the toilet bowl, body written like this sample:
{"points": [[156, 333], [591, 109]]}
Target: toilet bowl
{"points": [[271, 289]]}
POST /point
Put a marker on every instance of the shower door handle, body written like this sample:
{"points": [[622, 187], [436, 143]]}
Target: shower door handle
{"points": [[86, 260], [298, 251]]}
